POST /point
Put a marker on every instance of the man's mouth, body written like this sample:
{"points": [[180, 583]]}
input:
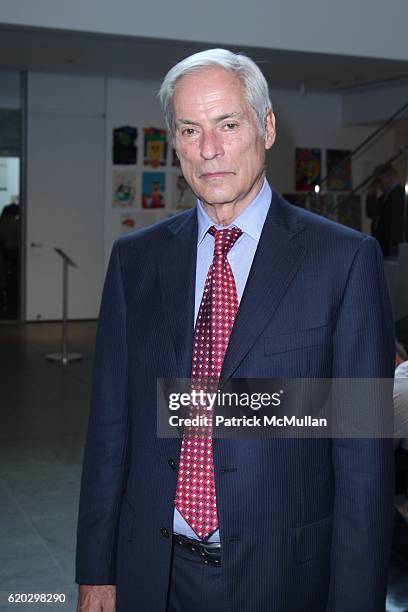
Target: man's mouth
{"points": [[215, 175]]}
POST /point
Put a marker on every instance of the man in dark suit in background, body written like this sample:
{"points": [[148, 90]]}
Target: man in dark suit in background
{"points": [[243, 286], [386, 211]]}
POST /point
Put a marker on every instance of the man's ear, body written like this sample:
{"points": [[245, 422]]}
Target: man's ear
{"points": [[270, 130]]}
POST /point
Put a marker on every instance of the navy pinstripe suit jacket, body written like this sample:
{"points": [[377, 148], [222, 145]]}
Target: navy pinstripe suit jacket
{"points": [[305, 524]]}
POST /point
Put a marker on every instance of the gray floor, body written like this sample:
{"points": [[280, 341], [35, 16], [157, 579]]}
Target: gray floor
{"points": [[44, 411]]}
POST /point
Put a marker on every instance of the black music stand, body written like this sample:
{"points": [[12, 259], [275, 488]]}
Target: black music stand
{"points": [[64, 357]]}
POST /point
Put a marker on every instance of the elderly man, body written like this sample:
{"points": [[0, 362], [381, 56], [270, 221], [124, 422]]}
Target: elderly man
{"points": [[243, 286]]}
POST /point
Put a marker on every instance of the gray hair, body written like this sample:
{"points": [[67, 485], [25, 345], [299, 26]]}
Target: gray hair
{"points": [[254, 83]]}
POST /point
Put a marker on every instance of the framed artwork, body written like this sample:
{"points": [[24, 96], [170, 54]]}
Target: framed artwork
{"points": [[338, 169], [124, 145], [153, 186], [124, 188], [308, 165], [155, 147]]}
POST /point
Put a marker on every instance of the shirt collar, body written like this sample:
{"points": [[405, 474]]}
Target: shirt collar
{"points": [[250, 221]]}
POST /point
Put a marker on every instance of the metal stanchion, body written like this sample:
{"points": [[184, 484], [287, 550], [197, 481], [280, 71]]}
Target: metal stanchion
{"points": [[64, 357]]}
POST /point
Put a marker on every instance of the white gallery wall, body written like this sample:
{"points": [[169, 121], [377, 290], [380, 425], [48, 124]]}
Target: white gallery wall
{"points": [[369, 28], [70, 172], [65, 202]]}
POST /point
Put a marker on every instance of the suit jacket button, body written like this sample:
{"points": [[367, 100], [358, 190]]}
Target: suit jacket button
{"points": [[172, 464], [165, 532]]}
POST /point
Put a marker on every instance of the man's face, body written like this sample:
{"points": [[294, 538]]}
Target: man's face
{"points": [[217, 137]]}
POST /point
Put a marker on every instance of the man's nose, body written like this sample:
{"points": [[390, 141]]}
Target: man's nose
{"points": [[210, 145]]}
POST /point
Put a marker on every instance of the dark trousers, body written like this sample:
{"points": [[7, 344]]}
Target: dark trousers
{"points": [[194, 586]]}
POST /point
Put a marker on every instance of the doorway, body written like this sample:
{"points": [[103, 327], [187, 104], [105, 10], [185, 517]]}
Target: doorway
{"points": [[10, 196]]}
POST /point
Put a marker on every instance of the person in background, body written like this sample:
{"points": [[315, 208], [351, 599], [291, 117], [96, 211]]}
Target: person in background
{"points": [[385, 207], [400, 535], [401, 398], [9, 258]]}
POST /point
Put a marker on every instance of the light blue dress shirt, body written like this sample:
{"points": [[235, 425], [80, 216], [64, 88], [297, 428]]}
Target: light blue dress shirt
{"points": [[240, 258]]}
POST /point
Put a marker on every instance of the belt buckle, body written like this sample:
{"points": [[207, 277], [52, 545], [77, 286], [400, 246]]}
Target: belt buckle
{"points": [[211, 558], [204, 551]]}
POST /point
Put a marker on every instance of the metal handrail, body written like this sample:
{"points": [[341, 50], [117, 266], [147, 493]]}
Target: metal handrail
{"points": [[403, 150]]}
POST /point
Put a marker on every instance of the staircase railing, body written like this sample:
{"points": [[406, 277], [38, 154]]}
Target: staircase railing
{"points": [[330, 211], [385, 126]]}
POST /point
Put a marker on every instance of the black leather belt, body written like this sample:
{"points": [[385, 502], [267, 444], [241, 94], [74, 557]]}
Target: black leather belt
{"points": [[210, 552]]}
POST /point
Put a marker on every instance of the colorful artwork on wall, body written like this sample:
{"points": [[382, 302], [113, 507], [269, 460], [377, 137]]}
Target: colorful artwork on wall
{"points": [[124, 188], [131, 221], [154, 186], [124, 145], [127, 222], [308, 168], [155, 147]]}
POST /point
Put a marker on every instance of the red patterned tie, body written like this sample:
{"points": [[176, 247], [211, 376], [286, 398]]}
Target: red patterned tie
{"points": [[195, 492]]}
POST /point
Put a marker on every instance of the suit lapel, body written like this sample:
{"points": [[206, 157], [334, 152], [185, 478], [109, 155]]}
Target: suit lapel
{"points": [[177, 279], [277, 259]]}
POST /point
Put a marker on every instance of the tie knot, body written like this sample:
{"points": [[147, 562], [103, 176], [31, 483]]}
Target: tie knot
{"points": [[224, 239]]}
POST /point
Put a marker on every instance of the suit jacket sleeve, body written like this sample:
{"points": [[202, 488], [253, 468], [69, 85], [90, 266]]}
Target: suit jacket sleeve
{"points": [[104, 467], [363, 468]]}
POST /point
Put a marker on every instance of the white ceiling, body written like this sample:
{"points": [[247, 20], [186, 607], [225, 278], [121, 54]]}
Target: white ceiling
{"points": [[82, 53]]}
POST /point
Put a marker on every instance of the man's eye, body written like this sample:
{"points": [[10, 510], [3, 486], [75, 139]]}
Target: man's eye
{"points": [[229, 127], [188, 131]]}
